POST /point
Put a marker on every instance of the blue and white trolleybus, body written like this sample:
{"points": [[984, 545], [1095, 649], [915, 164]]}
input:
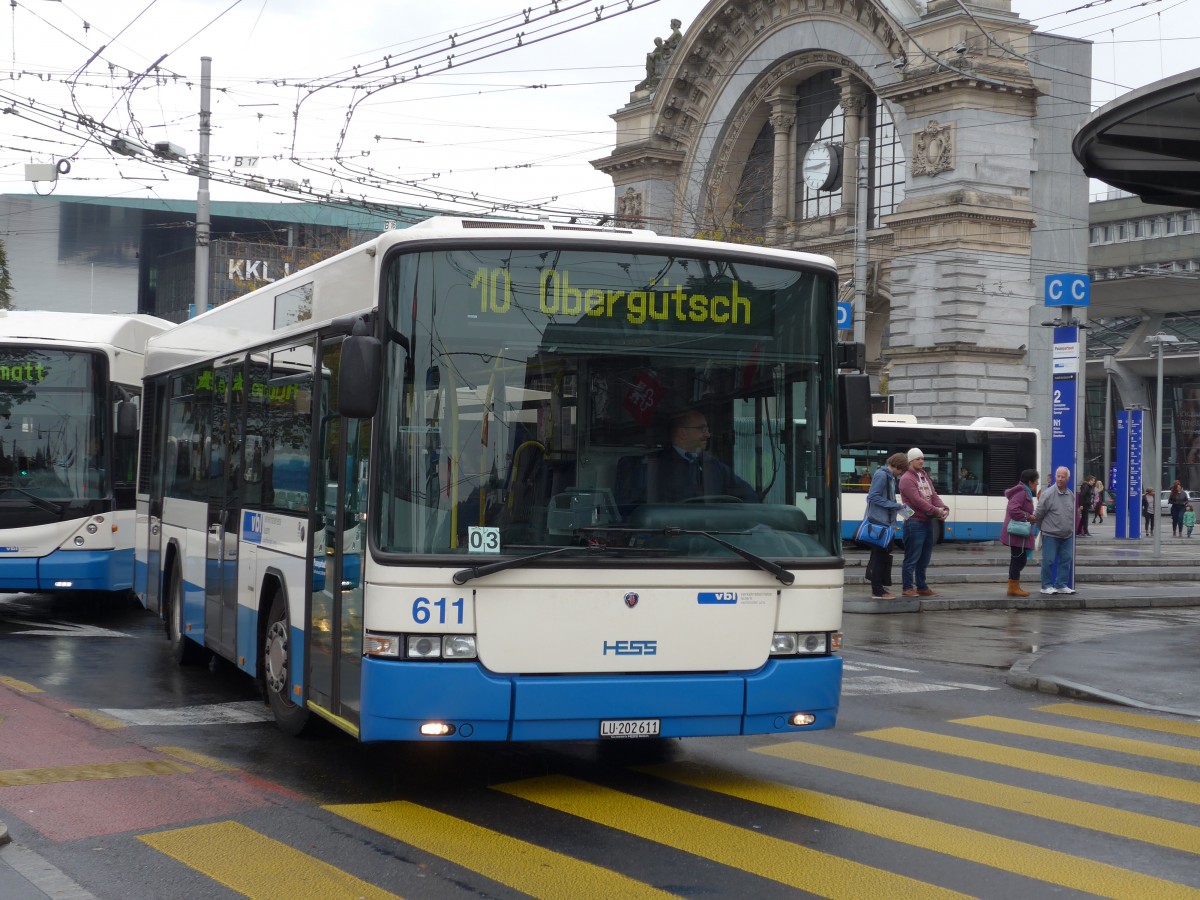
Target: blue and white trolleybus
{"points": [[419, 489], [70, 384]]}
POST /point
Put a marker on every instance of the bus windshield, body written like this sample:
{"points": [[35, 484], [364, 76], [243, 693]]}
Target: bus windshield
{"points": [[51, 429], [550, 397]]}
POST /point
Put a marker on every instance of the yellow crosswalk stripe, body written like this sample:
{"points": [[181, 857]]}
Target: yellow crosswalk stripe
{"points": [[1001, 853], [1050, 807], [256, 866], [1122, 717], [95, 772], [197, 759], [768, 857], [1073, 736], [1164, 786], [97, 718], [17, 685], [523, 866]]}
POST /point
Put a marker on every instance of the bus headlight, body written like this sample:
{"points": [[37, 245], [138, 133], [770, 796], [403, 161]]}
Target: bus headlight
{"points": [[420, 646], [424, 646], [459, 646], [804, 643], [783, 643]]}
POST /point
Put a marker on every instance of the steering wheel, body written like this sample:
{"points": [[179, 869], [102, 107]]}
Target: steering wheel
{"points": [[713, 498]]}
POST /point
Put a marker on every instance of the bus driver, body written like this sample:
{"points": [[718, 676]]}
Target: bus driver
{"points": [[683, 470]]}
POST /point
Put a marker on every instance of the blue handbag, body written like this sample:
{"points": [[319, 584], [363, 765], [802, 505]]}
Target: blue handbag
{"points": [[1017, 528], [873, 534]]}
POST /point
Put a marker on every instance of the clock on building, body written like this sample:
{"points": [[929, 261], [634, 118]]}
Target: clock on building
{"points": [[822, 167]]}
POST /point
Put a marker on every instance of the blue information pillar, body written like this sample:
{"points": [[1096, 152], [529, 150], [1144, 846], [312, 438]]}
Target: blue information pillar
{"points": [[1063, 400], [1134, 494], [1120, 479], [1127, 483]]}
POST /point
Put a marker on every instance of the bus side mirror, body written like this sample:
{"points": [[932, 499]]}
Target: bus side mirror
{"points": [[127, 419], [360, 376], [854, 407]]}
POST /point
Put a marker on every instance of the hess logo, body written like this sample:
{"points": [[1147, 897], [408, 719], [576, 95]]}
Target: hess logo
{"points": [[631, 648]]}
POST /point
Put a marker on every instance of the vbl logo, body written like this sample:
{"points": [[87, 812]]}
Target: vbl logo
{"points": [[631, 648]]}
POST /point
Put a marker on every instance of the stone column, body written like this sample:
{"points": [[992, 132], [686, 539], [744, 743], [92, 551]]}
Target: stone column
{"points": [[783, 119], [854, 104]]}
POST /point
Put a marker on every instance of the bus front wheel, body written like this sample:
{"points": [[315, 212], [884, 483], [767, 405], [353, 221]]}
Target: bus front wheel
{"points": [[184, 651], [290, 717]]}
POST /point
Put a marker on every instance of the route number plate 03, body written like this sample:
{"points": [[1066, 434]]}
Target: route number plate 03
{"points": [[628, 728]]}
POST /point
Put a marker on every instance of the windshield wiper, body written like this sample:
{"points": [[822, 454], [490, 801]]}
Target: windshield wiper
{"points": [[40, 502], [464, 575], [782, 574]]}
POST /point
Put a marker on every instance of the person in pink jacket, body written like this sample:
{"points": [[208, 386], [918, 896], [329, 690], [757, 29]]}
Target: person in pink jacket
{"points": [[1020, 509], [916, 490]]}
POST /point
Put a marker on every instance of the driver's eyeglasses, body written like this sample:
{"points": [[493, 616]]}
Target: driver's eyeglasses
{"points": [[703, 428]]}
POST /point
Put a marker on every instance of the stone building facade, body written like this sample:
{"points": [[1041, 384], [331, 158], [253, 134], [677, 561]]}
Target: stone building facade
{"points": [[750, 126]]}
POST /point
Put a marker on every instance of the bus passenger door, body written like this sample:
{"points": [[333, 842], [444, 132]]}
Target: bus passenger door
{"points": [[153, 479], [339, 542], [220, 587]]}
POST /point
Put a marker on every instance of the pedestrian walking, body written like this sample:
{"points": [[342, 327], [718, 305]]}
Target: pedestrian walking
{"points": [[882, 508], [1177, 500], [1189, 519], [1018, 517], [1084, 513], [1099, 505], [1056, 516], [1148, 510], [917, 492]]}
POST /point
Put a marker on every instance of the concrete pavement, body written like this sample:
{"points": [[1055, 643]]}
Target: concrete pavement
{"points": [[1159, 670]]}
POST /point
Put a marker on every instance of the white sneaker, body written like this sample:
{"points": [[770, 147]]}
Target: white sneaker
{"points": [[1048, 590], [1064, 590]]}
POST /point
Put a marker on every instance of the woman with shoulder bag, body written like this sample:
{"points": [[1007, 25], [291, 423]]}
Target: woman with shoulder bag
{"points": [[1017, 530], [881, 509], [1178, 500]]}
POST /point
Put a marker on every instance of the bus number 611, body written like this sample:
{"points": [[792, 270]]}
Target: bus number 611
{"points": [[423, 607]]}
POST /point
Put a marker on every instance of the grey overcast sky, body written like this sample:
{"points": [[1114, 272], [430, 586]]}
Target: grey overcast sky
{"points": [[516, 127]]}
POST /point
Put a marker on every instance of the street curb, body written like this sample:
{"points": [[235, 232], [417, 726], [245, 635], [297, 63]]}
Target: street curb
{"points": [[866, 606], [1019, 676]]}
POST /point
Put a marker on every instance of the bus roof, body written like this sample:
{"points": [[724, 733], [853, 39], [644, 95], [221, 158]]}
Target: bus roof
{"points": [[123, 332], [352, 287]]}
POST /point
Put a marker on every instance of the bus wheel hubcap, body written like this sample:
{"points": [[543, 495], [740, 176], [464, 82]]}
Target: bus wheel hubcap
{"points": [[276, 656]]}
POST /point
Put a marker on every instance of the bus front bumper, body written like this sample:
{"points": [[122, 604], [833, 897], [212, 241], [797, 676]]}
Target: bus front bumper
{"points": [[68, 570], [399, 697]]}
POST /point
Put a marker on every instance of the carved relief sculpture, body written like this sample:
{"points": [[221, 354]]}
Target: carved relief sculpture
{"points": [[933, 149], [630, 209]]}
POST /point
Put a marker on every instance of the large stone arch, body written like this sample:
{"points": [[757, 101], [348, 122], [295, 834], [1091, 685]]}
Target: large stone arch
{"points": [[955, 271]]}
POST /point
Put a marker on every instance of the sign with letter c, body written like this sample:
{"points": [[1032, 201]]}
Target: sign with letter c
{"points": [[1068, 290]]}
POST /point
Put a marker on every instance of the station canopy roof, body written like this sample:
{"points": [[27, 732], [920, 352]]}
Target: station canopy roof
{"points": [[1147, 142]]}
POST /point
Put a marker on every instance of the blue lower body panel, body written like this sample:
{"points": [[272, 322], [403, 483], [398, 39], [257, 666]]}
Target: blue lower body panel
{"points": [[86, 570], [397, 697]]}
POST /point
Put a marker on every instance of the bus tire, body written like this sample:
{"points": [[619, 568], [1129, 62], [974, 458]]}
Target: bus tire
{"points": [[184, 651], [291, 718]]}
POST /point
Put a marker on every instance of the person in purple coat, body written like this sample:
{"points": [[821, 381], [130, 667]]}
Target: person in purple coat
{"points": [[1020, 509]]}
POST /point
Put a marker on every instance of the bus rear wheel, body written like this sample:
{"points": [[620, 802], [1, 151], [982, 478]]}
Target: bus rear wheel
{"points": [[290, 717], [185, 652]]}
